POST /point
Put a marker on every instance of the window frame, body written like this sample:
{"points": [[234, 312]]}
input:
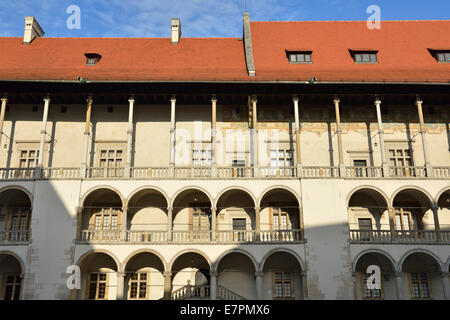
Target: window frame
{"points": [[14, 284], [139, 281], [363, 281], [291, 281], [428, 282], [297, 54], [97, 287], [358, 56]]}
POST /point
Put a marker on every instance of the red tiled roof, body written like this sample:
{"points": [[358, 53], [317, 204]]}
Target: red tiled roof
{"points": [[402, 50], [402, 54], [125, 59]]}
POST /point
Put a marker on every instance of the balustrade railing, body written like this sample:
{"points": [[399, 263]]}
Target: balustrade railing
{"points": [[226, 294], [403, 236], [146, 236], [14, 236], [221, 172], [191, 292]]}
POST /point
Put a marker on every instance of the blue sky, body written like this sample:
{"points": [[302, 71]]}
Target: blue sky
{"points": [[199, 18]]}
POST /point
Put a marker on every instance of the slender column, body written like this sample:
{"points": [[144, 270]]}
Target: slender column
{"points": [[124, 222], [398, 285], [384, 163], [446, 284], [173, 101], [423, 133], [355, 285], [297, 131], [2, 116], [87, 135], [254, 131], [213, 285], [437, 227], [169, 224], [43, 132], [391, 212], [339, 137], [120, 286], [304, 285], [259, 282], [213, 129], [167, 285], [129, 136], [213, 223], [257, 224]]}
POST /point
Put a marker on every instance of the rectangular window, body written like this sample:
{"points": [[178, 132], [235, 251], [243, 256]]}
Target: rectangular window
{"points": [[281, 158], [364, 56], [443, 56], [98, 286], [138, 286], [12, 286], [28, 158], [420, 288], [17, 223], [370, 293], [400, 161], [201, 157], [111, 158], [282, 285], [299, 56], [106, 219], [404, 222]]}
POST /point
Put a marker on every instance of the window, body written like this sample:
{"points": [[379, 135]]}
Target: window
{"points": [[201, 157], [420, 288], [239, 225], [360, 163], [370, 293], [365, 228], [98, 286], [401, 161], [111, 158], [138, 286], [281, 158], [107, 219], [281, 225], [441, 56], [299, 56], [12, 286], [28, 158], [92, 58], [364, 56], [282, 285], [200, 219], [404, 221], [17, 223], [361, 169]]}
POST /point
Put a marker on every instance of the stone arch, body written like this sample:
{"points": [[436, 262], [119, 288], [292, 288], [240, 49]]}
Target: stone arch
{"points": [[15, 256], [135, 253], [97, 188], [154, 188], [372, 188], [413, 188], [285, 188], [179, 254], [19, 188], [443, 191], [375, 251], [421, 251], [236, 250], [224, 191], [100, 251], [194, 188], [285, 250]]}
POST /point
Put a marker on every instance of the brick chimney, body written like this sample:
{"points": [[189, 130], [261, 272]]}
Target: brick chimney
{"points": [[176, 30], [32, 30]]}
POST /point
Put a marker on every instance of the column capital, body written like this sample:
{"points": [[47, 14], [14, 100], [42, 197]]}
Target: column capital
{"points": [[121, 274], [336, 100], [254, 98], [398, 274], [377, 101], [213, 98], [213, 273], [259, 273], [445, 274], [89, 99], [4, 98], [173, 99], [131, 99], [295, 99], [47, 98], [167, 273], [418, 100]]}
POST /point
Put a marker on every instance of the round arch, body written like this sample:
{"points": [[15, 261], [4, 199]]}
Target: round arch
{"points": [[96, 188], [216, 264], [152, 188], [135, 253], [447, 265], [237, 188], [20, 188], [15, 256], [372, 188], [440, 193], [368, 251], [101, 251], [179, 254], [414, 188], [287, 189], [426, 252], [193, 188], [285, 250]]}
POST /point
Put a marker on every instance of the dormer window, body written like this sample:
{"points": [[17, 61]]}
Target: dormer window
{"points": [[364, 56], [92, 58], [441, 56], [299, 56]]}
